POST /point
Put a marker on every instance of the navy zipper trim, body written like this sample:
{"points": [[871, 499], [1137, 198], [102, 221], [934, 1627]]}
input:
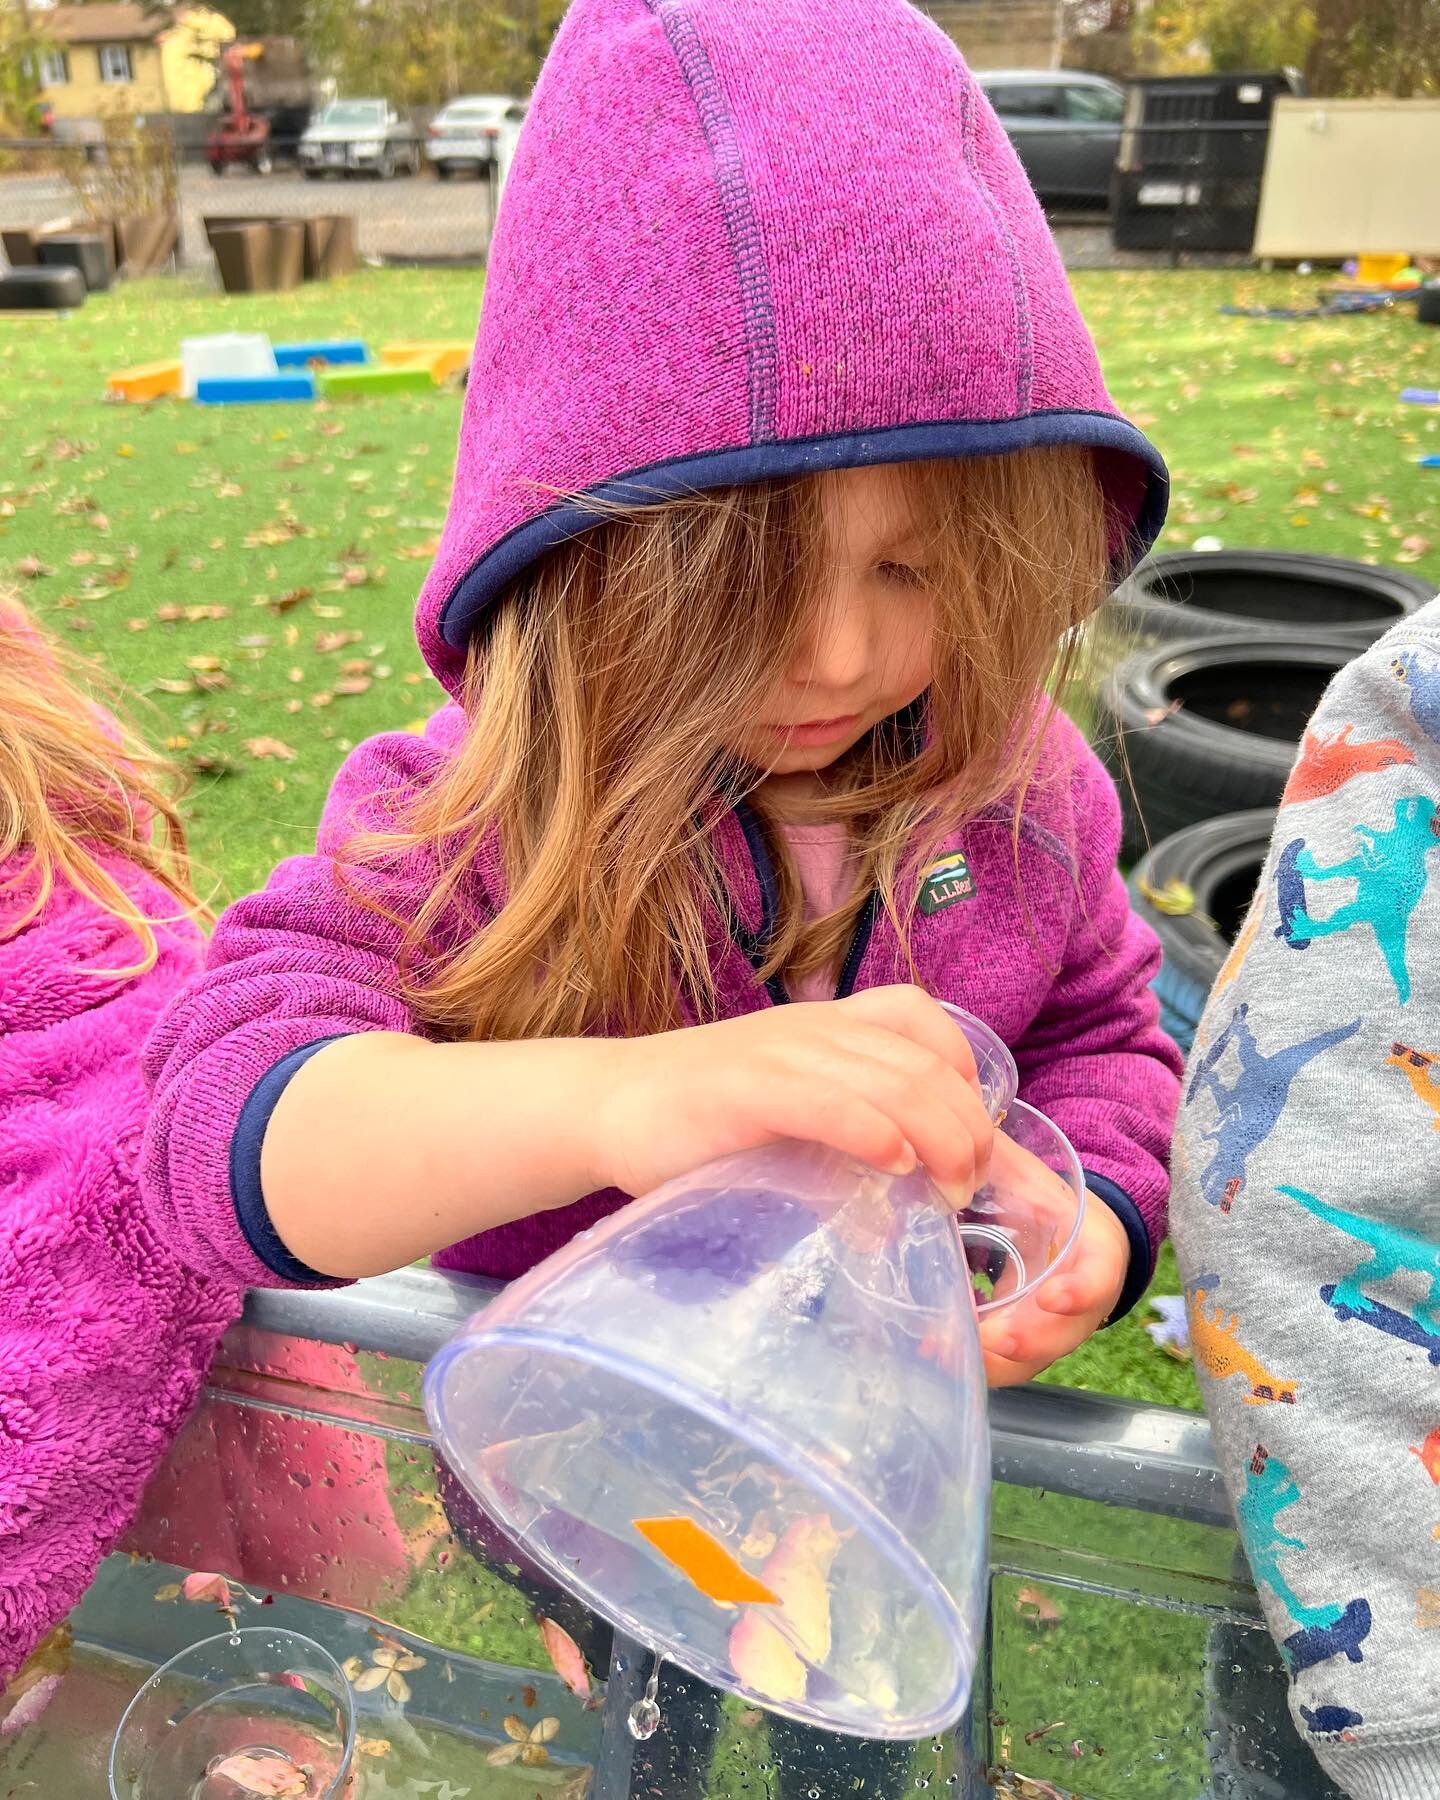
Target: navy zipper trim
{"points": [[859, 944], [756, 944]]}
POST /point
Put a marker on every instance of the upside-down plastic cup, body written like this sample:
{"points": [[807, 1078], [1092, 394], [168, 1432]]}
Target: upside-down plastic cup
{"points": [[744, 1420], [259, 1711]]}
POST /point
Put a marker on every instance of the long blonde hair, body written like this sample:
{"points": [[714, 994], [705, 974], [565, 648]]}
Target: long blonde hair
{"points": [[604, 684], [78, 789]]}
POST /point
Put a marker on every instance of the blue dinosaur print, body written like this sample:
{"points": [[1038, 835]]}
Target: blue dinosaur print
{"points": [[1327, 1721], [1421, 682], [1290, 894], [1318, 1643], [1387, 1319], [1389, 871], [1247, 1110], [1269, 1489], [1393, 1249]]}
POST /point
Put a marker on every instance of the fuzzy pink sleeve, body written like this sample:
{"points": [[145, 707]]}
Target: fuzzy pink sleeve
{"points": [[302, 961]]}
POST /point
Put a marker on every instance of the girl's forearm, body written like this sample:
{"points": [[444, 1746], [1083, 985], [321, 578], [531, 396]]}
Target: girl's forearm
{"points": [[384, 1148]]}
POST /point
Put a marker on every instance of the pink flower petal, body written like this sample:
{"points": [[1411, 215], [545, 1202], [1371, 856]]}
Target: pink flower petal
{"points": [[205, 1586], [271, 1776], [564, 1654], [28, 1708]]}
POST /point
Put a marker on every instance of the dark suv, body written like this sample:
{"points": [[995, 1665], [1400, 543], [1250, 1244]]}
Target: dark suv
{"points": [[1065, 127]]}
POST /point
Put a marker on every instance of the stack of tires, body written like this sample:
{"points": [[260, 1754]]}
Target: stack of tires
{"points": [[1232, 651]]}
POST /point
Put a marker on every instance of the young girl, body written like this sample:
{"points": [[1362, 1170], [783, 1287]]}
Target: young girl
{"points": [[787, 473], [106, 1336]]}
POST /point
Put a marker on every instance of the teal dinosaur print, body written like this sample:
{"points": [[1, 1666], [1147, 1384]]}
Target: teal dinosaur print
{"points": [[1389, 871], [1394, 1249], [1269, 1489]]}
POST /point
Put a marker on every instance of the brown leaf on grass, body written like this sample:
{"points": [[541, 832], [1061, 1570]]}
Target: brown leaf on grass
{"points": [[326, 641], [194, 614], [169, 615], [1036, 1607], [81, 559], [269, 748], [1412, 549], [420, 552], [33, 569], [100, 521], [353, 684], [322, 699], [283, 603]]}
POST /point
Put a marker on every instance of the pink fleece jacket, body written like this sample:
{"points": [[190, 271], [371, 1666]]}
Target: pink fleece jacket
{"points": [[104, 1334], [740, 239]]}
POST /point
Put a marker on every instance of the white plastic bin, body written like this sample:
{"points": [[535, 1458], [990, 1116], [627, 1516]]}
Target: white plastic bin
{"points": [[224, 356]]}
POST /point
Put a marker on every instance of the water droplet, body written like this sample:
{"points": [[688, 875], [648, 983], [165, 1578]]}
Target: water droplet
{"points": [[644, 1719], [235, 1640]]}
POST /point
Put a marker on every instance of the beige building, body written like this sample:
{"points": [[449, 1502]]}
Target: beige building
{"points": [[98, 57]]}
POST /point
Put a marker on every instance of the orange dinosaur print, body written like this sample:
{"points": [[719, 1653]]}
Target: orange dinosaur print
{"points": [[1213, 1339], [1240, 949], [1417, 1066], [1427, 1609], [1326, 764], [1429, 1454]]}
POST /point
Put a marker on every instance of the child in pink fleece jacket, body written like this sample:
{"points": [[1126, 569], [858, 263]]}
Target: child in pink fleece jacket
{"points": [[787, 472], [104, 1334]]}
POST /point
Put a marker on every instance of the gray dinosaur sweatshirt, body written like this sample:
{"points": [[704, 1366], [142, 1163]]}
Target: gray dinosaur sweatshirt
{"points": [[1306, 1214]]}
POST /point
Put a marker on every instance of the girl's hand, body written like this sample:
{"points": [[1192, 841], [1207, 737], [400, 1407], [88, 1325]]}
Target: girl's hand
{"points": [[1070, 1305], [886, 1076]]}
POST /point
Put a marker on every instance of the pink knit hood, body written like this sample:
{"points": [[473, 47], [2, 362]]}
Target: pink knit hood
{"points": [[747, 238]]}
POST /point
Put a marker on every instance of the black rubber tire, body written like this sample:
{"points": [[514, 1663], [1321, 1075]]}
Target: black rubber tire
{"points": [[1185, 742], [1427, 306], [42, 289], [445, 170], [1220, 861], [314, 174], [1219, 593]]}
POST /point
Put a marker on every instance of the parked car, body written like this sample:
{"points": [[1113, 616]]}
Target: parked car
{"points": [[354, 137], [1065, 126], [466, 133]]}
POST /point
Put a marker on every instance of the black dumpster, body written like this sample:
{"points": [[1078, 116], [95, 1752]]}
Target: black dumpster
{"points": [[1192, 154]]}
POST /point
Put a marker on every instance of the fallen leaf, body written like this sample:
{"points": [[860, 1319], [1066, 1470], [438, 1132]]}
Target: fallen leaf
{"points": [[326, 641], [33, 569], [503, 1755], [373, 1746], [254, 1772], [545, 1732], [351, 1667], [397, 1687], [369, 1679], [354, 684], [1412, 549], [565, 1657], [534, 1756], [81, 559], [171, 1589], [263, 748]]}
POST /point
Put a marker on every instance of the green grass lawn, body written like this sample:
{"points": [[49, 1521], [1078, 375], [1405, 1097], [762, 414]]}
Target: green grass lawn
{"points": [[248, 575]]}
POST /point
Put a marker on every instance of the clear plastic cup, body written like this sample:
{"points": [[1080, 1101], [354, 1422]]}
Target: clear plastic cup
{"points": [[745, 1421], [254, 1711], [1019, 1229], [999, 1078]]}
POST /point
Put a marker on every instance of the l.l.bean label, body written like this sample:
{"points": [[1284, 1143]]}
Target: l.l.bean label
{"points": [[946, 883]]}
